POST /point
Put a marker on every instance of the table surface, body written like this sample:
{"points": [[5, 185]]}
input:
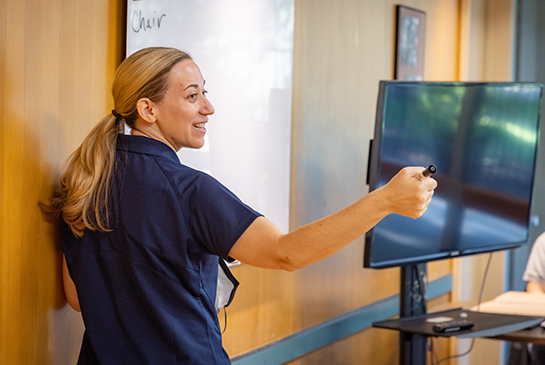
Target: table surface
{"points": [[493, 325], [534, 335]]}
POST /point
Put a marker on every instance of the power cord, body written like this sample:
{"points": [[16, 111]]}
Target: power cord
{"points": [[422, 283], [457, 355], [484, 280], [478, 308]]}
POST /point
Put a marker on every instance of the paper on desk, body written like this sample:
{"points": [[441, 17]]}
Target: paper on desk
{"points": [[439, 319], [514, 302]]}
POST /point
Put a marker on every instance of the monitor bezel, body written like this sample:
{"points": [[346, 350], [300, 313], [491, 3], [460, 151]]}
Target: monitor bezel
{"points": [[373, 173]]}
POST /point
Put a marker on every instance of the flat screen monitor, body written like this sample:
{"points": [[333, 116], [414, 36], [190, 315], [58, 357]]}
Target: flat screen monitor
{"points": [[483, 139]]}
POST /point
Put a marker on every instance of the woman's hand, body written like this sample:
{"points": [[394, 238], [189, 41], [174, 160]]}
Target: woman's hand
{"points": [[407, 194]]}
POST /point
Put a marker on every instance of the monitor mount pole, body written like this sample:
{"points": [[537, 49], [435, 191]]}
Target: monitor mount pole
{"points": [[412, 302]]}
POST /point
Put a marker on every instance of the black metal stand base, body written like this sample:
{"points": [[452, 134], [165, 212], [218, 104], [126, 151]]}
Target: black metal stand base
{"points": [[412, 302]]}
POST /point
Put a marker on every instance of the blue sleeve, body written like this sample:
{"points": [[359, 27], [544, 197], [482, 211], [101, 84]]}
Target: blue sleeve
{"points": [[217, 216]]}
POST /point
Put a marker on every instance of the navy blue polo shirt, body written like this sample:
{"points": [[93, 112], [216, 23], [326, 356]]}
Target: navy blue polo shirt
{"points": [[147, 288]]}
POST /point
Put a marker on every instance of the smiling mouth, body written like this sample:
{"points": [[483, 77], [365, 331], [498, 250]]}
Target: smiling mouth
{"points": [[200, 125]]}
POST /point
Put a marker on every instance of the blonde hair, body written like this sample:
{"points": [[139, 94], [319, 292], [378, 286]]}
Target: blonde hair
{"points": [[84, 193]]}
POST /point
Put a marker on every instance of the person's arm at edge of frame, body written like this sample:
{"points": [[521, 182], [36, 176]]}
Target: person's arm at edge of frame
{"points": [[263, 244], [69, 287], [534, 287]]}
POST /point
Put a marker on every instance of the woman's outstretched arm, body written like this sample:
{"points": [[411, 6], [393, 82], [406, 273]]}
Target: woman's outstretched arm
{"points": [[263, 244]]}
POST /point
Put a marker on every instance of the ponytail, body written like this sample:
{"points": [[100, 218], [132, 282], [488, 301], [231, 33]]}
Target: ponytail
{"points": [[84, 195]]}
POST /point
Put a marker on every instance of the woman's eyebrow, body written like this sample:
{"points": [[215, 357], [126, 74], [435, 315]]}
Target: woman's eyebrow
{"points": [[192, 85], [196, 86]]}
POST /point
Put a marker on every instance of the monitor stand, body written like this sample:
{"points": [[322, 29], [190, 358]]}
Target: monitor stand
{"points": [[412, 302]]}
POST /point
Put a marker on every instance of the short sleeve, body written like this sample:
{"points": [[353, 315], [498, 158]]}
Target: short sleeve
{"points": [[535, 268], [217, 217]]}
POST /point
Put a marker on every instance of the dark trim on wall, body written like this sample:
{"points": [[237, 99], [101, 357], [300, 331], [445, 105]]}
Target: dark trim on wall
{"points": [[311, 339]]}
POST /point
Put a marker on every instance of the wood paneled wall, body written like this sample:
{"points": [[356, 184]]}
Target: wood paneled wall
{"points": [[57, 59]]}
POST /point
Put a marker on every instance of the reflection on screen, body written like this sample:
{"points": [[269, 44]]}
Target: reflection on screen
{"points": [[482, 137]]}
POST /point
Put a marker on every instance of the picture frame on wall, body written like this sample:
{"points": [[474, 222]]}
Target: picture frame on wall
{"points": [[410, 44]]}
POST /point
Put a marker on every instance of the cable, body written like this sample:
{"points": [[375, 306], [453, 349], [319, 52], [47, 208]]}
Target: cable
{"points": [[435, 356], [225, 320], [478, 308], [422, 283], [484, 279], [458, 355], [431, 350]]}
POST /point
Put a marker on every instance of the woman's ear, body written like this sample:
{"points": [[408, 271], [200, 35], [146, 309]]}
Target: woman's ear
{"points": [[146, 110]]}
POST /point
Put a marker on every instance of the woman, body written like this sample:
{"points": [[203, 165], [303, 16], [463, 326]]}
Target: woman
{"points": [[143, 232]]}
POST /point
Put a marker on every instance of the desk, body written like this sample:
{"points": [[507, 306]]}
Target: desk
{"points": [[534, 335], [521, 303], [485, 324], [491, 325]]}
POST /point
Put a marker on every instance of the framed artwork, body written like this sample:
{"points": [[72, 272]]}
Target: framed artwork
{"points": [[410, 42]]}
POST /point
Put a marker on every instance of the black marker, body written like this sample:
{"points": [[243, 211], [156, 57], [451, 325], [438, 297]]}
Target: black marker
{"points": [[430, 170]]}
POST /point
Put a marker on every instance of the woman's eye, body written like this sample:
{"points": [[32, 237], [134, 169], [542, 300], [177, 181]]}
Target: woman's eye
{"points": [[204, 93], [193, 96]]}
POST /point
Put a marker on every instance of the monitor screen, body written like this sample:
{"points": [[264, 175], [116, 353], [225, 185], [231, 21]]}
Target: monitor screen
{"points": [[483, 138]]}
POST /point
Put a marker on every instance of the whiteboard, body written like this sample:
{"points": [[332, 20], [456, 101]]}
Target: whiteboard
{"points": [[244, 49]]}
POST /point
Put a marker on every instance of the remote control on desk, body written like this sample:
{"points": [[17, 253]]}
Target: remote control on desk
{"points": [[452, 326]]}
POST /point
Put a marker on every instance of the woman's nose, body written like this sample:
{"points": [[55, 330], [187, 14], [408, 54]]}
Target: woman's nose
{"points": [[208, 108]]}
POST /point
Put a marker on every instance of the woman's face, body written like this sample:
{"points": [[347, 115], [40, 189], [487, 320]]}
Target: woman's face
{"points": [[182, 114]]}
